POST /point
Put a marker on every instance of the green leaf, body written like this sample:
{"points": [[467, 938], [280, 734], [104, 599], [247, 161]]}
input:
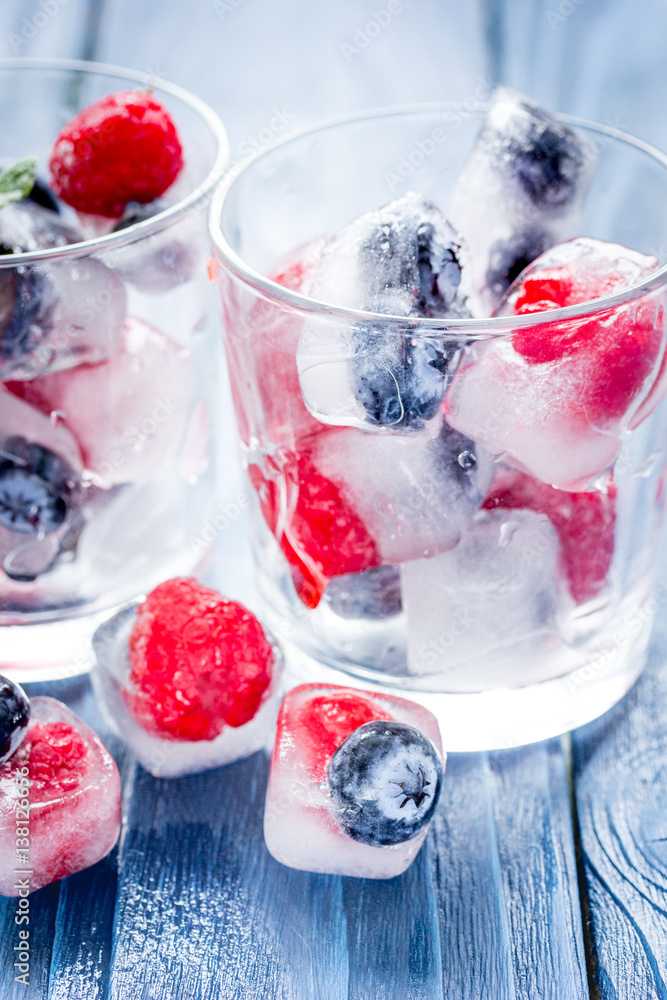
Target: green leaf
{"points": [[16, 181]]}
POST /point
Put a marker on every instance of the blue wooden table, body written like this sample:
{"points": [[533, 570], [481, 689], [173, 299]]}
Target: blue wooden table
{"points": [[545, 872]]}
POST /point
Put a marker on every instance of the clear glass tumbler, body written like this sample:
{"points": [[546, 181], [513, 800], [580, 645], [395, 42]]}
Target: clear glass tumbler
{"points": [[514, 612], [108, 385]]}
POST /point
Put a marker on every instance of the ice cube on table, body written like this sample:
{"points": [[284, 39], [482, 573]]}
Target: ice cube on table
{"points": [[400, 260], [73, 793], [519, 193], [348, 501], [41, 490], [554, 399], [485, 615], [317, 818], [55, 314], [168, 758], [128, 414]]}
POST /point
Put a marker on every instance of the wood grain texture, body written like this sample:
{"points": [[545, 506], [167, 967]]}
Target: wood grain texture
{"points": [[620, 771]]}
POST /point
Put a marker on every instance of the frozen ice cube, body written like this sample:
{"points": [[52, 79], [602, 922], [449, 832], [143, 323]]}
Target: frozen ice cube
{"points": [[375, 594], [400, 260], [128, 414], [520, 192], [484, 614], [166, 758], [41, 490], [554, 399], [64, 783], [163, 260], [57, 314], [316, 816]]}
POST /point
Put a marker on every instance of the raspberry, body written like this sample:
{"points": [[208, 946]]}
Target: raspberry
{"points": [[198, 662], [325, 722], [318, 532], [56, 758], [585, 524], [123, 148]]}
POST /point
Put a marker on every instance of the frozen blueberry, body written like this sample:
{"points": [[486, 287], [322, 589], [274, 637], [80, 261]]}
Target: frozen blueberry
{"points": [[136, 212], [27, 301], [508, 258], [385, 782], [42, 194], [14, 717], [37, 488], [547, 159], [375, 594]]}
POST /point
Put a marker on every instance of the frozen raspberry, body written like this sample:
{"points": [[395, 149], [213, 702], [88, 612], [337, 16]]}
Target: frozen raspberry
{"points": [[198, 662], [56, 757], [325, 722], [585, 523], [123, 148], [319, 533]]}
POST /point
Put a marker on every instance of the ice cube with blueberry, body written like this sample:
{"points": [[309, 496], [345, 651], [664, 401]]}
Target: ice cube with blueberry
{"points": [[555, 398], [128, 413], [188, 679], [484, 615], [347, 501], [41, 490], [400, 260], [520, 192], [354, 782], [57, 314], [63, 782]]}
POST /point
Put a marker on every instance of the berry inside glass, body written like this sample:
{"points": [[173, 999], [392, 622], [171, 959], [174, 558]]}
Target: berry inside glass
{"points": [[107, 355], [446, 337]]}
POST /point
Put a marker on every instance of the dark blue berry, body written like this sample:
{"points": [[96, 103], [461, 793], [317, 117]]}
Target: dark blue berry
{"points": [[508, 258], [375, 594], [14, 717], [458, 455], [546, 158], [384, 782], [27, 301], [42, 194], [136, 212], [37, 488]]}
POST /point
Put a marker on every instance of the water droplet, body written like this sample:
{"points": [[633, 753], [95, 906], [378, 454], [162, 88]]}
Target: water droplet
{"points": [[467, 459], [507, 532]]}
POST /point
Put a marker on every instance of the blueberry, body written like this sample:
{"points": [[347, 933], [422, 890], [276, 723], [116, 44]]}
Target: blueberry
{"points": [[375, 594], [42, 194], [385, 782], [508, 258], [136, 212], [37, 488], [27, 301], [546, 158], [14, 717]]}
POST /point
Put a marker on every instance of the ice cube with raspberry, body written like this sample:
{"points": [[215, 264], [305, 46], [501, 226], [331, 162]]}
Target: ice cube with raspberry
{"points": [[41, 490], [347, 501], [520, 192], [59, 797], [554, 399], [400, 260], [354, 782], [128, 414], [189, 679]]}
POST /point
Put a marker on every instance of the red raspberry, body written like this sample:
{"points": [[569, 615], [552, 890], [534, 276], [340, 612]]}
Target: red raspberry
{"points": [[122, 148], [56, 758], [198, 662], [318, 531], [585, 523], [325, 722]]}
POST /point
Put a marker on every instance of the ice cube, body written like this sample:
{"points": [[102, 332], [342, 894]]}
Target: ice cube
{"points": [[485, 615], [554, 399], [347, 501], [366, 813], [64, 785], [400, 260], [128, 414], [375, 594], [520, 192], [165, 757], [57, 314], [163, 260], [41, 490]]}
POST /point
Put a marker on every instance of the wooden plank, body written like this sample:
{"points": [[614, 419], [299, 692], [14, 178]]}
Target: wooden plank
{"points": [[620, 772]]}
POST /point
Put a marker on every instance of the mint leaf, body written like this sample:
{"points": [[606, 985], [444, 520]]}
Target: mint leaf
{"points": [[16, 181]]}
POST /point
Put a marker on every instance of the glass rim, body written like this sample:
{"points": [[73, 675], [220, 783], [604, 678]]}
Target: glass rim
{"points": [[472, 327], [156, 223]]}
